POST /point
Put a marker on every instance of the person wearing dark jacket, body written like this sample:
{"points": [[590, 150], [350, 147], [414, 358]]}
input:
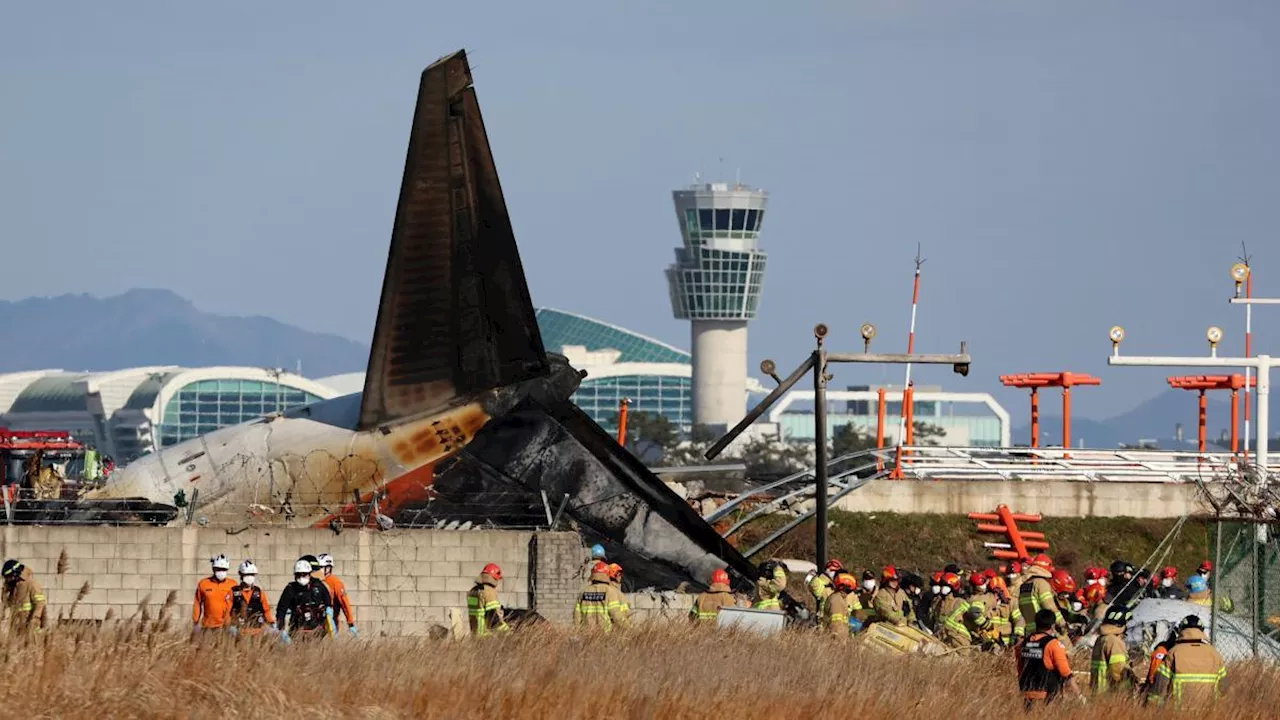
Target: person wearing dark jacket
{"points": [[305, 608]]}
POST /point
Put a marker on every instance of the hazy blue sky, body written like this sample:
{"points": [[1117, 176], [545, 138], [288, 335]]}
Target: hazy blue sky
{"points": [[1066, 165]]}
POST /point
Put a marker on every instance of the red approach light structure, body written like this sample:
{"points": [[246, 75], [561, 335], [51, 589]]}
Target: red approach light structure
{"points": [[623, 408], [1204, 383], [1021, 542], [1035, 381]]}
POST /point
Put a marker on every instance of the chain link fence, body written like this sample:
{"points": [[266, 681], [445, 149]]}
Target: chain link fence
{"points": [[1246, 583]]}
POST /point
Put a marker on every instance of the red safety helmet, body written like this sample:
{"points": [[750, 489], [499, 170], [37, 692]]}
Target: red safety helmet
{"points": [[1042, 561], [991, 573], [951, 579], [1016, 567], [1062, 582], [1206, 566], [493, 571], [601, 567], [835, 566], [615, 571], [720, 577], [998, 585], [889, 573], [1093, 573], [1169, 572], [978, 579], [1095, 594], [937, 578], [846, 582]]}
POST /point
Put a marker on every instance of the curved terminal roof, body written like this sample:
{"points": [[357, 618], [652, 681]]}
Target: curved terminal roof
{"points": [[560, 328], [58, 392]]}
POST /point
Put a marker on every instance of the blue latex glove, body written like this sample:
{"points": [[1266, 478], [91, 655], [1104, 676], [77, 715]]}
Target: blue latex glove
{"points": [[352, 628], [284, 637]]}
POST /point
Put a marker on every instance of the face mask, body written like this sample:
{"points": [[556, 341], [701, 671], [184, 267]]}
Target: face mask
{"points": [[869, 584], [1090, 581], [1204, 573], [1103, 582], [946, 589], [936, 589], [303, 579], [980, 589], [219, 575], [249, 579], [1075, 606], [1167, 582]]}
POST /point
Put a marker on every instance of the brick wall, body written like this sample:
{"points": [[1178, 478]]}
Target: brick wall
{"points": [[403, 582]]}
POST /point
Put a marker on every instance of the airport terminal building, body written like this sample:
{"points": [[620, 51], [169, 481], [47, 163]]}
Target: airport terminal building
{"points": [[132, 412]]}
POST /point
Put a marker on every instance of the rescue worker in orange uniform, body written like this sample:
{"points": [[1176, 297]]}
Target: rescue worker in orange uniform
{"points": [[1193, 674], [835, 617], [24, 599], [601, 605], [890, 603], [1158, 655], [484, 610], [706, 607], [337, 593], [1044, 672], [212, 608], [1037, 594], [250, 611], [1109, 668]]}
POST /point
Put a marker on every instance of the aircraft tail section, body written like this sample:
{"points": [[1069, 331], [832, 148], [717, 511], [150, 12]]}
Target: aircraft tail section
{"points": [[455, 317]]}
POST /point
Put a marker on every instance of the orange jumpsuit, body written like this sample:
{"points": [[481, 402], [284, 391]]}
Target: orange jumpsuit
{"points": [[341, 601], [212, 609]]}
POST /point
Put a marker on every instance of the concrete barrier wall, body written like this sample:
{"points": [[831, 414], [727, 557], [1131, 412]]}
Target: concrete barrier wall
{"points": [[402, 581], [1054, 498]]}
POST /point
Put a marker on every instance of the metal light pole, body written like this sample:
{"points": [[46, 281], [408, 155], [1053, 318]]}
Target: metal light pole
{"points": [[1262, 364], [817, 362]]}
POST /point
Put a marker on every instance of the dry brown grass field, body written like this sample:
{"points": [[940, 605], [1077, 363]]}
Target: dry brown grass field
{"points": [[662, 670]]}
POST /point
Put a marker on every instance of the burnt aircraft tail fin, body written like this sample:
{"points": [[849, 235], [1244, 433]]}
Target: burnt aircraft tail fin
{"points": [[455, 316]]}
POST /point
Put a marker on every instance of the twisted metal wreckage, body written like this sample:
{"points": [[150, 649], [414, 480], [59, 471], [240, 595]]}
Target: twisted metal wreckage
{"points": [[461, 403]]}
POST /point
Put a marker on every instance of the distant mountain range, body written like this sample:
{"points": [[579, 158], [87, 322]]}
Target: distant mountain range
{"points": [[1156, 419], [158, 327]]}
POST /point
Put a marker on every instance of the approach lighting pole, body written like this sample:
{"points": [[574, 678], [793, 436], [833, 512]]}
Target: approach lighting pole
{"points": [[1262, 364], [817, 362]]}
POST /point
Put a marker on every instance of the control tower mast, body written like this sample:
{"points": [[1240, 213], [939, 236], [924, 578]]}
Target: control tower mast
{"points": [[715, 284]]}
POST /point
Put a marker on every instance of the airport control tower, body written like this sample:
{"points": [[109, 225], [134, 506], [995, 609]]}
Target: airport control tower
{"points": [[715, 283]]}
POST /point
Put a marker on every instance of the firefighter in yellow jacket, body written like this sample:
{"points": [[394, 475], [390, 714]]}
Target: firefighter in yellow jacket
{"points": [[601, 606], [769, 587], [1193, 674], [836, 609], [1036, 592], [1109, 668], [23, 597], [890, 602], [951, 627], [706, 607], [484, 610]]}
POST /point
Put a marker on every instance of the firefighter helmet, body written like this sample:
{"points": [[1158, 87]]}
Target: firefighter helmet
{"points": [[889, 573], [302, 567], [835, 566], [601, 567], [1042, 561], [248, 568], [615, 571], [325, 560], [12, 569], [1206, 566], [846, 582], [1062, 582], [597, 551], [978, 580], [493, 571], [952, 580], [1169, 572], [220, 562], [720, 577]]}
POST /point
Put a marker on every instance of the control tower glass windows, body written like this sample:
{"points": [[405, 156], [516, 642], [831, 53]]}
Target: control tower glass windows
{"points": [[707, 220], [739, 221]]}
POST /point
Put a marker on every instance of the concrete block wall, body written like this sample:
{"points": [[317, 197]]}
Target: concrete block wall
{"points": [[558, 561], [402, 582], [1053, 498]]}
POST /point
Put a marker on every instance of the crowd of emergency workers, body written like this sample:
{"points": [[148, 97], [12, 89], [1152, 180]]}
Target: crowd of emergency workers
{"points": [[1032, 609]]}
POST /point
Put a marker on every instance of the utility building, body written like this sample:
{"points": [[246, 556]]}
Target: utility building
{"points": [[715, 284]]}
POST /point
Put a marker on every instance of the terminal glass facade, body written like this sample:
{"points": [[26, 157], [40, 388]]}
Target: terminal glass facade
{"points": [[668, 396], [204, 406], [559, 328]]}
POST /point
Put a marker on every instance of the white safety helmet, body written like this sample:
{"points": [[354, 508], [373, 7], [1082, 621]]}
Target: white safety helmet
{"points": [[326, 560], [220, 562], [248, 568], [302, 567]]}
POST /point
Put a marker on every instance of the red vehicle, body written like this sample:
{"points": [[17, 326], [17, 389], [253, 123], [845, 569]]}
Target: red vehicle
{"points": [[46, 464]]}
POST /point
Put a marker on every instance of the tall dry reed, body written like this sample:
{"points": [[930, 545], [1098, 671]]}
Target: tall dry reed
{"points": [[657, 671]]}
